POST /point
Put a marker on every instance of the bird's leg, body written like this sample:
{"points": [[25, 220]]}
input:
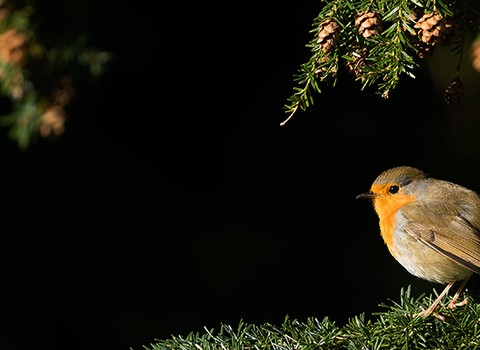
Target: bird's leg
{"points": [[453, 303], [432, 307]]}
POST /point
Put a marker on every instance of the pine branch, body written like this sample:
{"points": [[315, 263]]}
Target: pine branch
{"points": [[397, 327], [38, 81], [323, 63], [380, 42]]}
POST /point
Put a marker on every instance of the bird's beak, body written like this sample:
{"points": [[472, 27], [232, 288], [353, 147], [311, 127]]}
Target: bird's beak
{"points": [[368, 195]]}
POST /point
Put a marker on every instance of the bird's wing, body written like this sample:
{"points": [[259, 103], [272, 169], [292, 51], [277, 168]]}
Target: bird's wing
{"points": [[456, 237]]}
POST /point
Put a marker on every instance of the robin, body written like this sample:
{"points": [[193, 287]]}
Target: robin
{"points": [[430, 226]]}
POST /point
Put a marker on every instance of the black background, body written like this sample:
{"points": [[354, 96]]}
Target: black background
{"points": [[175, 200]]}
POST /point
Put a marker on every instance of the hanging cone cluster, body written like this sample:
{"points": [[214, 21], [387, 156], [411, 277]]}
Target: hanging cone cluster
{"points": [[379, 42], [368, 23], [434, 29], [454, 92], [328, 35]]}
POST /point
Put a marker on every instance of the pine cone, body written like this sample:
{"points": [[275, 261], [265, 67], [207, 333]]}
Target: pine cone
{"points": [[454, 92], [475, 55], [52, 122], [368, 24], [358, 63], [328, 35], [13, 46], [434, 29]]}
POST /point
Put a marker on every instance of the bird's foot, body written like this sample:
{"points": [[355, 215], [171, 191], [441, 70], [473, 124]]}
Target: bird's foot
{"points": [[453, 303], [430, 311]]}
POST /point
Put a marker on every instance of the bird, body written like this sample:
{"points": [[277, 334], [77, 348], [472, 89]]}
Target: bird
{"points": [[430, 226]]}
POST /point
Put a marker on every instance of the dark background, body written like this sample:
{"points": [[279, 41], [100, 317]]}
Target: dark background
{"points": [[175, 200]]}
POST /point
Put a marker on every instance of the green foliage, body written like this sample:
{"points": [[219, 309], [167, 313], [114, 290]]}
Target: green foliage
{"points": [[37, 79], [397, 327], [380, 51]]}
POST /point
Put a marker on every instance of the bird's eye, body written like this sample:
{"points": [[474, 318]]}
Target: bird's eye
{"points": [[393, 189]]}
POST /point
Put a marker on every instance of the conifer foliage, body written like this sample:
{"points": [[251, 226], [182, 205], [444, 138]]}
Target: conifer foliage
{"points": [[379, 42], [397, 326], [37, 80]]}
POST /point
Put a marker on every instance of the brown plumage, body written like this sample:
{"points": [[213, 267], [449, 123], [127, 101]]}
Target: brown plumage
{"points": [[430, 226]]}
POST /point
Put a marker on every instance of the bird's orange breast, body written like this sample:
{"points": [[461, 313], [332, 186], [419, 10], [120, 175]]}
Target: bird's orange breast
{"points": [[386, 206]]}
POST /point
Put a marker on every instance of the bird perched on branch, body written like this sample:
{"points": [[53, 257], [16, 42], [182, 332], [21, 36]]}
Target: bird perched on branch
{"points": [[430, 226]]}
